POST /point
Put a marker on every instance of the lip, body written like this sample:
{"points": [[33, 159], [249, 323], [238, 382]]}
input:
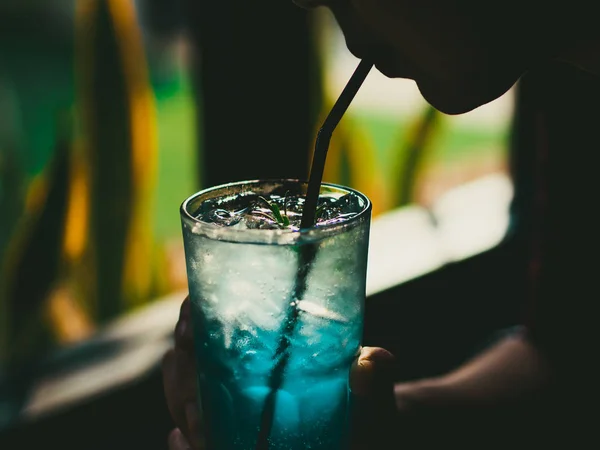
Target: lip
{"points": [[391, 70], [384, 59], [391, 67]]}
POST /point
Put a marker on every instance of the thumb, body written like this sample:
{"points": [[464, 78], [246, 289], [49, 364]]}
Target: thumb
{"points": [[374, 405], [372, 373]]}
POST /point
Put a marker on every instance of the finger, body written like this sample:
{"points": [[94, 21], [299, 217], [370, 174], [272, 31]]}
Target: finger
{"points": [[179, 378], [170, 375], [373, 373], [371, 382], [183, 330], [177, 441], [179, 383]]}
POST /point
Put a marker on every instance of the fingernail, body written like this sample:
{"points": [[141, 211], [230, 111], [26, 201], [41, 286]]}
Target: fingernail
{"points": [[181, 328], [184, 318]]}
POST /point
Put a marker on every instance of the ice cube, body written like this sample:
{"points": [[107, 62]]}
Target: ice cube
{"points": [[319, 311], [333, 210], [222, 217], [253, 211], [251, 352], [322, 345], [258, 219], [350, 203]]}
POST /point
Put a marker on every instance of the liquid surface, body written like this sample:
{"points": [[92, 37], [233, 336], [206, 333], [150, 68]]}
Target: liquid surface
{"points": [[275, 211]]}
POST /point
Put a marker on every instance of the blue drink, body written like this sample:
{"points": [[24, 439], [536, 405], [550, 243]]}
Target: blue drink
{"points": [[242, 262]]}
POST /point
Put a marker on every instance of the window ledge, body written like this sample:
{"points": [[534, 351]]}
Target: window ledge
{"points": [[409, 242]]}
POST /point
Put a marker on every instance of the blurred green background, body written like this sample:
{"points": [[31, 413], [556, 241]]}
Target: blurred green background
{"points": [[105, 122]]}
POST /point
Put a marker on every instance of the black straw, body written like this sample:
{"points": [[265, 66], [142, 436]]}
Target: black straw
{"points": [[308, 251], [323, 139]]}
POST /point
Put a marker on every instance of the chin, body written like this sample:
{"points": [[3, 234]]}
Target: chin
{"points": [[456, 93], [453, 106], [464, 97]]}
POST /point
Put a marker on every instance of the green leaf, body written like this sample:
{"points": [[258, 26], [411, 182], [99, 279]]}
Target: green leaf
{"points": [[319, 210], [281, 219]]}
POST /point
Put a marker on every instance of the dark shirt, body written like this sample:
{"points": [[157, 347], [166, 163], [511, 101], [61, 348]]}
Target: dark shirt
{"points": [[558, 127]]}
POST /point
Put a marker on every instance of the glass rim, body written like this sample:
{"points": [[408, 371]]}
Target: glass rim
{"points": [[270, 236]]}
